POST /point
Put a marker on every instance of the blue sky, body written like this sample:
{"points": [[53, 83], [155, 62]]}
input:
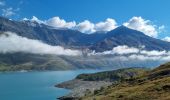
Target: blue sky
{"points": [[157, 11]]}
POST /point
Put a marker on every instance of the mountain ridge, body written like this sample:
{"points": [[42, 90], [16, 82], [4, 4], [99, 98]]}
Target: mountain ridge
{"points": [[74, 39], [132, 38]]}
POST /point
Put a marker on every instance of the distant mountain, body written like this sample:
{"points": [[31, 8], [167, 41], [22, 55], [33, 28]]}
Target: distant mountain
{"points": [[34, 30], [75, 39], [23, 61], [132, 38]]}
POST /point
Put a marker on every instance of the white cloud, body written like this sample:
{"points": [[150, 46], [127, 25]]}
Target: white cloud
{"points": [[108, 25], [55, 22], [89, 27], [35, 19], [85, 27], [153, 53], [161, 29], [8, 12], [60, 23], [11, 43], [2, 3], [131, 53], [136, 23], [142, 57], [125, 50], [145, 26], [120, 50], [166, 39], [25, 19]]}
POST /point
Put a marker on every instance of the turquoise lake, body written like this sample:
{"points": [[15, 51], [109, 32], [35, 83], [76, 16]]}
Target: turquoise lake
{"points": [[35, 85]]}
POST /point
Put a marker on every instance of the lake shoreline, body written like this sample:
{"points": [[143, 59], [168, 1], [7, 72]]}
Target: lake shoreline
{"points": [[80, 87], [85, 84]]}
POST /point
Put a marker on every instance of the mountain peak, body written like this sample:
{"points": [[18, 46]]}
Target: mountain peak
{"points": [[124, 28], [125, 36]]}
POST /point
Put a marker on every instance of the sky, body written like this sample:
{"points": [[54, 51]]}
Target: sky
{"points": [[89, 16]]}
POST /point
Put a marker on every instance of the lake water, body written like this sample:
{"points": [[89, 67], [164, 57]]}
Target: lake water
{"points": [[35, 85]]}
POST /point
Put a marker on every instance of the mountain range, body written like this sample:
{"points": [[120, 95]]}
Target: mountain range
{"points": [[99, 41], [73, 39]]}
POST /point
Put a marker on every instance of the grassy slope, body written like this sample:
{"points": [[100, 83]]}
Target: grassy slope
{"points": [[153, 85], [115, 75], [20, 61]]}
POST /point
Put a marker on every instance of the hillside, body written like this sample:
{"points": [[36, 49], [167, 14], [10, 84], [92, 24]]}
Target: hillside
{"points": [[27, 61], [154, 84], [87, 83], [112, 76], [21, 61]]}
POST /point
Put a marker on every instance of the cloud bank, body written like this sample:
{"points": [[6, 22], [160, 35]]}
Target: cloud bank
{"points": [[137, 23], [84, 27], [130, 53], [12, 43]]}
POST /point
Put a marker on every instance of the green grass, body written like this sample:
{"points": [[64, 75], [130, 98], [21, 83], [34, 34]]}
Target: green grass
{"points": [[115, 75], [20, 61], [143, 87]]}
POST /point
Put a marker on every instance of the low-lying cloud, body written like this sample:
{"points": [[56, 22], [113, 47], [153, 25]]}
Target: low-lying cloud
{"points": [[12, 43], [131, 53]]}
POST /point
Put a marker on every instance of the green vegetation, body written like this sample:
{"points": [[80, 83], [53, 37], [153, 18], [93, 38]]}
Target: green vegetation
{"points": [[21, 61], [4, 67], [115, 75], [151, 85]]}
